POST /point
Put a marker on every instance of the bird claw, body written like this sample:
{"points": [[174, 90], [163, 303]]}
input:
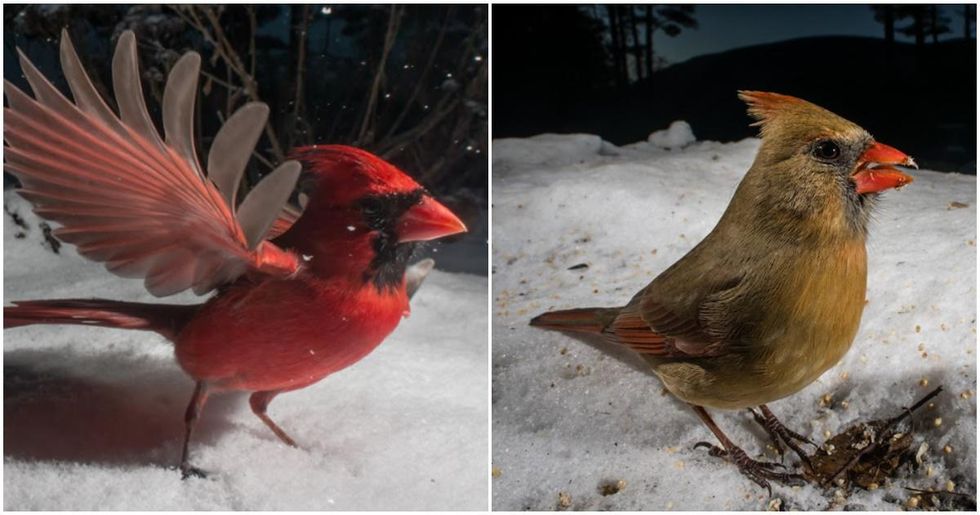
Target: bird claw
{"points": [[779, 433], [758, 471], [187, 471], [713, 450]]}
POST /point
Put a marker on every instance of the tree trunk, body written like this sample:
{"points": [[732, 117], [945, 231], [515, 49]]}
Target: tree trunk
{"points": [[920, 27], [889, 23], [612, 11], [637, 55], [966, 20], [649, 34]]}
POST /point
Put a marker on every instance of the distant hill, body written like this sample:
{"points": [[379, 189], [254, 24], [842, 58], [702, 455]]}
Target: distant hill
{"points": [[923, 102]]}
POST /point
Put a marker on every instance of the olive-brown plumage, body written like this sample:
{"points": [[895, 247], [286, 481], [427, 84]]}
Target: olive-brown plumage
{"points": [[772, 297]]}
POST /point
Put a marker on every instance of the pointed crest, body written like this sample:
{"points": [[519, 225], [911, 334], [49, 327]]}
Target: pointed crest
{"points": [[764, 106], [774, 109]]}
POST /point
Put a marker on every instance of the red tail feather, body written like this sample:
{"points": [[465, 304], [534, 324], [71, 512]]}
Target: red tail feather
{"points": [[166, 319]]}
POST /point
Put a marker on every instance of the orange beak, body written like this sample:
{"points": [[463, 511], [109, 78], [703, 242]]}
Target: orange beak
{"points": [[875, 171], [428, 220]]}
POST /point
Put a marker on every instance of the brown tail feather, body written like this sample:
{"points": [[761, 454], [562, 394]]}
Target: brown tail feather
{"points": [[581, 320], [166, 319]]}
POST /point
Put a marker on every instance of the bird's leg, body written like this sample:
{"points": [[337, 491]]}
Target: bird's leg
{"points": [[259, 402], [757, 471], [778, 432], [193, 412]]}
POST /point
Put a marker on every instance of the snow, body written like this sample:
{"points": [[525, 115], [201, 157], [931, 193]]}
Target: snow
{"points": [[93, 417], [678, 135], [570, 415], [550, 149]]}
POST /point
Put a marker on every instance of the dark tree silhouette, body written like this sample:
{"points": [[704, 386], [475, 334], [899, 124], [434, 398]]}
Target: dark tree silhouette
{"points": [[917, 26], [618, 44], [969, 15], [937, 23], [885, 15], [625, 24]]}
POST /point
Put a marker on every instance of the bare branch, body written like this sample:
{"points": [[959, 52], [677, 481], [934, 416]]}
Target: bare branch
{"points": [[425, 73], [393, 22]]}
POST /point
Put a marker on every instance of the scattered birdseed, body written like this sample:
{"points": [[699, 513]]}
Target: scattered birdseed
{"points": [[611, 488], [938, 422], [950, 486], [826, 400], [872, 486], [775, 504], [924, 382], [948, 449], [966, 394], [496, 472], [921, 452], [564, 501], [918, 328], [913, 502]]}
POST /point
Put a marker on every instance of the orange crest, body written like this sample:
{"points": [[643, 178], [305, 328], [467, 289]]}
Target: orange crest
{"points": [[763, 105]]}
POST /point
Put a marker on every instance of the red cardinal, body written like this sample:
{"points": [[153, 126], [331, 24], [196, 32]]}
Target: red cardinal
{"points": [[299, 297]]}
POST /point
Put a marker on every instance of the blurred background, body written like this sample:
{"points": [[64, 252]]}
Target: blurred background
{"points": [[907, 73], [408, 83]]}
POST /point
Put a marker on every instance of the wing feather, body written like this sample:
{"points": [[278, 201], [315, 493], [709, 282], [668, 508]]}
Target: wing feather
{"points": [[130, 200], [233, 146], [178, 108], [263, 204], [82, 89], [129, 91]]}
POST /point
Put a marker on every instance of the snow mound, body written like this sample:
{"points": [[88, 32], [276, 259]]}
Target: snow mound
{"points": [[93, 417], [551, 149], [678, 135], [571, 415]]}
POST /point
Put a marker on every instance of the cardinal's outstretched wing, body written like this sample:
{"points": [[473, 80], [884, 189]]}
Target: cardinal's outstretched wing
{"points": [[138, 203]]}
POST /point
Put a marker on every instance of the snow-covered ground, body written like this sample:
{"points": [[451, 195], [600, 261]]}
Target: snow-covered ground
{"points": [[571, 415], [93, 417]]}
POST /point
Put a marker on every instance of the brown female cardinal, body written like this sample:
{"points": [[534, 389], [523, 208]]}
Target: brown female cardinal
{"points": [[772, 297], [299, 296]]}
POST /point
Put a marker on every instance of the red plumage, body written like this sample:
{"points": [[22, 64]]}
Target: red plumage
{"points": [[288, 312]]}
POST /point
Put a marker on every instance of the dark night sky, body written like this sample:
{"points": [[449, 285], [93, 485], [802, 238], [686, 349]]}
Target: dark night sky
{"points": [[724, 27]]}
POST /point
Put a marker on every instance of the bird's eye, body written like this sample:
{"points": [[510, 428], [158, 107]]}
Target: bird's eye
{"points": [[826, 150], [371, 206]]}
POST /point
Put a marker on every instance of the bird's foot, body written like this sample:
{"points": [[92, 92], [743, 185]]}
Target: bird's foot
{"points": [[759, 472], [780, 434], [187, 471]]}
